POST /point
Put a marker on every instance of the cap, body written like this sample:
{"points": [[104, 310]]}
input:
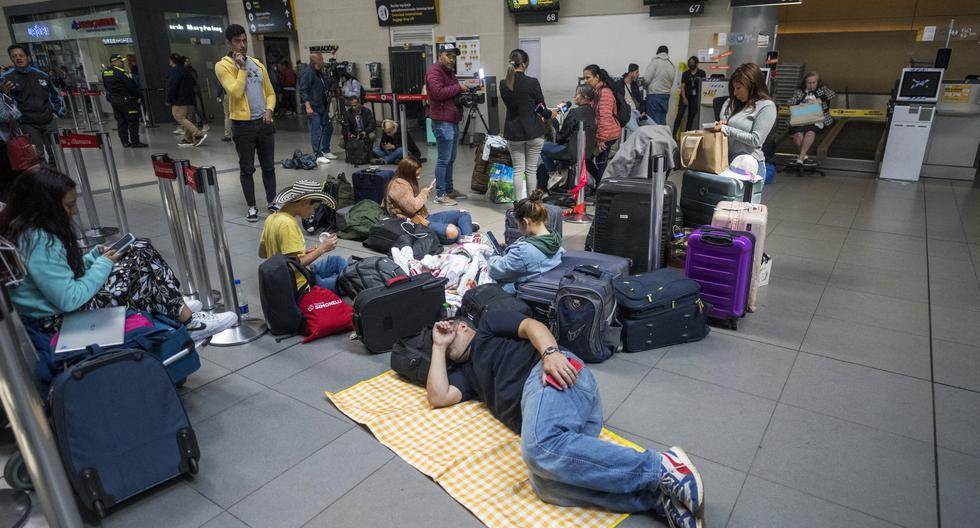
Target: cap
{"points": [[116, 57], [305, 190], [632, 68], [448, 46], [744, 168]]}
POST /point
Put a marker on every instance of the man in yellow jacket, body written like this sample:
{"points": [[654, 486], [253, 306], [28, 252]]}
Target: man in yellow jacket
{"points": [[251, 100]]}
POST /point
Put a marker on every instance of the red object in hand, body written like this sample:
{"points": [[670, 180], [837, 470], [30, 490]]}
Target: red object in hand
{"points": [[551, 381]]}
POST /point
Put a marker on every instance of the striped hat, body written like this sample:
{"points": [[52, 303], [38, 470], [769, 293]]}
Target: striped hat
{"points": [[304, 190]]}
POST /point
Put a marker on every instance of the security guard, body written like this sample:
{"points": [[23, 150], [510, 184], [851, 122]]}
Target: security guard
{"points": [[124, 96]]}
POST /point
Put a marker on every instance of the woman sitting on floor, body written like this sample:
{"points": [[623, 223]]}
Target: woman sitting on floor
{"points": [[404, 199], [389, 150], [538, 251]]}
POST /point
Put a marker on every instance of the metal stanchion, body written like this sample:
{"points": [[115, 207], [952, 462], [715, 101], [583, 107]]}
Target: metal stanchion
{"points": [[88, 239], [192, 225], [148, 109], [71, 105], [105, 144], [26, 413], [96, 97], [246, 329], [76, 142], [163, 168], [657, 175], [84, 108], [403, 121], [579, 216]]}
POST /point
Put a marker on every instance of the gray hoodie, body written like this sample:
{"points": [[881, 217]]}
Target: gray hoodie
{"points": [[659, 75]]}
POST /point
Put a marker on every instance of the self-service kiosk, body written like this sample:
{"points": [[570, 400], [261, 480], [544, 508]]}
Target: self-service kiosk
{"points": [[711, 88], [954, 146], [911, 123]]}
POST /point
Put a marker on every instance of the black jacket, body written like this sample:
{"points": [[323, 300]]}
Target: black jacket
{"points": [[37, 98], [119, 86], [180, 87], [396, 140], [368, 123], [522, 123], [634, 91], [568, 134]]}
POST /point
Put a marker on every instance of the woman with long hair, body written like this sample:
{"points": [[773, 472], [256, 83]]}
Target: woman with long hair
{"points": [[524, 126], [604, 103], [61, 279], [537, 251], [811, 90], [748, 115], [404, 198]]}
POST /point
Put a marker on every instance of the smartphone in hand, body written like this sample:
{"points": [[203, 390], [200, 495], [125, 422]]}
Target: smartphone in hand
{"points": [[122, 244], [551, 380]]}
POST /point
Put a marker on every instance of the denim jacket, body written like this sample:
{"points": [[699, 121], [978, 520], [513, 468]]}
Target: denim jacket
{"points": [[520, 262]]}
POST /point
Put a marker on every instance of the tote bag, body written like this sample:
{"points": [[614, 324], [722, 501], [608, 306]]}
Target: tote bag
{"points": [[501, 186], [704, 151]]}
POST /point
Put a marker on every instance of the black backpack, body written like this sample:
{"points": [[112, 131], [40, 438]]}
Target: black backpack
{"points": [[357, 152], [398, 232], [489, 298], [324, 219], [623, 111], [412, 356], [364, 273], [279, 295], [583, 316]]}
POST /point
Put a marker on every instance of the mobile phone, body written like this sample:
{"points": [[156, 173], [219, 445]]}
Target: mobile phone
{"points": [[541, 110], [123, 243], [575, 364], [496, 245]]}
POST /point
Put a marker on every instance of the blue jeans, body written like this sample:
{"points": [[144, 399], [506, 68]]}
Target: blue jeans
{"points": [[569, 465], [326, 270], [657, 106], [438, 222], [321, 129], [552, 153], [447, 140], [390, 157]]}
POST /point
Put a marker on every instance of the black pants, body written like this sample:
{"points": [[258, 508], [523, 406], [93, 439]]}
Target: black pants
{"points": [[602, 159], [251, 137], [127, 114], [691, 114]]}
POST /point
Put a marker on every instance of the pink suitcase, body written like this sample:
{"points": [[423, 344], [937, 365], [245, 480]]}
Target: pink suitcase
{"points": [[751, 217]]}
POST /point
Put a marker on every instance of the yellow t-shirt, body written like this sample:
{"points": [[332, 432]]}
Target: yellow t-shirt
{"points": [[282, 234]]}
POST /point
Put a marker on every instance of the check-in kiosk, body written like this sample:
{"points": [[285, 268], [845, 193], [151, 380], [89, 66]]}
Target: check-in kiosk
{"points": [[911, 123], [711, 88], [954, 146]]}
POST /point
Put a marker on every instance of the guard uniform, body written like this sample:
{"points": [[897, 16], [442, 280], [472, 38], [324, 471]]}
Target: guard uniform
{"points": [[123, 94]]}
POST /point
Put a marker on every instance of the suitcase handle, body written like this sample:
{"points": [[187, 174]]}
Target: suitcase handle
{"points": [[717, 240], [589, 269], [395, 280], [82, 369]]}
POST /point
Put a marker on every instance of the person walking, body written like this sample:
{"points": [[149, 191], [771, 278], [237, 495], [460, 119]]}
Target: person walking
{"points": [[124, 95], [659, 80], [443, 87], [690, 100], [312, 92], [180, 97], [287, 79], [524, 126], [38, 101], [247, 84]]}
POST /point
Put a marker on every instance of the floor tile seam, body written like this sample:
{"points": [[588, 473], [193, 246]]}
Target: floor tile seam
{"points": [[740, 391], [861, 424], [311, 406], [835, 503], [932, 372], [355, 486], [333, 354], [885, 232], [725, 465], [892, 297], [205, 497], [865, 323], [760, 341], [638, 383], [871, 367], [775, 232]]}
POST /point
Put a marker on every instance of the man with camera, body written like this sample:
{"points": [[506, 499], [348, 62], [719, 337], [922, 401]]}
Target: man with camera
{"points": [[443, 87], [360, 122], [251, 100], [313, 94]]}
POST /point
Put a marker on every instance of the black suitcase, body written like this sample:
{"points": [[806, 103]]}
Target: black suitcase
{"points": [[540, 291], [120, 427], [385, 314], [370, 184], [660, 308], [511, 233], [622, 220]]}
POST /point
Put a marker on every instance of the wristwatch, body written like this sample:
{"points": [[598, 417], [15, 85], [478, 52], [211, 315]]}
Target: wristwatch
{"points": [[548, 351]]}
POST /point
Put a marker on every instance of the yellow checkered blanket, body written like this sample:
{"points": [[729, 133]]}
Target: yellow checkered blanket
{"points": [[471, 454]]}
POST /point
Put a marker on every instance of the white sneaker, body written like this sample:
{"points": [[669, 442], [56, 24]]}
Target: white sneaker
{"points": [[200, 139], [194, 305], [330, 156], [178, 131], [323, 160], [204, 325]]}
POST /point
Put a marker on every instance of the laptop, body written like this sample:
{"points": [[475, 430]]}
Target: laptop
{"points": [[104, 327], [497, 248]]}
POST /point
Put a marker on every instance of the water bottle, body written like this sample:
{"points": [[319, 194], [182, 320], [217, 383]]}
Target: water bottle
{"points": [[242, 300]]}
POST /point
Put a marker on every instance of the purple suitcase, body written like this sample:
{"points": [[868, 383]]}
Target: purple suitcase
{"points": [[720, 260]]}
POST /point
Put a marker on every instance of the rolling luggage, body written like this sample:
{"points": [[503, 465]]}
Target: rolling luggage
{"points": [[540, 291], [120, 427], [512, 233], [622, 220], [583, 316], [749, 217], [720, 260], [370, 184], [701, 192], [399, 309], [658, 309]]}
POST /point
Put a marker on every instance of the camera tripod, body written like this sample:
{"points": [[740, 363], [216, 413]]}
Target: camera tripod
{"points": [[473, 111]]}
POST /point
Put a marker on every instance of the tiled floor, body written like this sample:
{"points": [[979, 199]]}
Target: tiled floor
{"points": [[850, 398]]}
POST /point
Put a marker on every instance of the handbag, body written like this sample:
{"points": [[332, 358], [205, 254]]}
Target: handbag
{"points": [[704, 151], [20, 149], [805, 114]]}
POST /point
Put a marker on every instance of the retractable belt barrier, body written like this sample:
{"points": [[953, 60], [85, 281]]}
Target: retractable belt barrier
{"points": [[76, 141], [846, 112], [95, 99]]}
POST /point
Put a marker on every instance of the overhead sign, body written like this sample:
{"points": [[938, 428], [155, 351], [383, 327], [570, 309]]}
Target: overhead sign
{"points": [[407, 12], [686, 8], [756, 3], [269, 16], [536, 17], [106, 24], [193, 28]]}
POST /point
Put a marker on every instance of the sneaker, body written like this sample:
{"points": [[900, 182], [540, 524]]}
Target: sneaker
{"points": [[204, 325], [178, 131], [127, 145], [423, 159], [252, 215], [677, 517], [206, 128], [272, 208], [456, 195], [226, 139], [377, 161], [476, 226], [194, 305], [330, 156], [445, 200], [809, 162], [138, 145], [185, 144], [200, 139], [322, 160], [681, 480]]}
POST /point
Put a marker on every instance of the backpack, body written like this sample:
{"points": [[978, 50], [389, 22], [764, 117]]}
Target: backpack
{"points": [[397, 233], [365, 273], [623, 111], [358, 152], [583, 316], [324, 219], [360, 219], [489, 298], [279, 295], [412, 356], [341, 189]]}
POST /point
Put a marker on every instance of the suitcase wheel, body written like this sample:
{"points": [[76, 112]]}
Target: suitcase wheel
{"points": [[192, 465], [15, 473], [180, 383], [733, 323], [98, 509]]}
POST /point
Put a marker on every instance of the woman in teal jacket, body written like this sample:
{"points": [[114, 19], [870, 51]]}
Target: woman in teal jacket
{"points": [[61, 279]]}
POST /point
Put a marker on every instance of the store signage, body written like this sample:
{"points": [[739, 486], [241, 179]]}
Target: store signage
{"points": [[79, 141], [269, 16], [106, 24], [195, 28], [117, 40], [407, 12], [38, 31], [96, 24]]}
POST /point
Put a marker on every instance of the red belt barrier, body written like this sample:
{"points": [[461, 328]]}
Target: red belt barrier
{"points": [[78, 141]]}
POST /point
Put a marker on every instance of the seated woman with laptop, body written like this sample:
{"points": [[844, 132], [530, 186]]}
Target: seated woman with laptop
{"points": [[538, 251], [61, 279]]}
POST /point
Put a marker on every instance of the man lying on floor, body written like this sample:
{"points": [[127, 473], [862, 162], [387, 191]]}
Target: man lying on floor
{"points": [[504, 363]]}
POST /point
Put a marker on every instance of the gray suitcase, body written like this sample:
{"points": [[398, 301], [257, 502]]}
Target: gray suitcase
{"points": [[702, 191]]}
